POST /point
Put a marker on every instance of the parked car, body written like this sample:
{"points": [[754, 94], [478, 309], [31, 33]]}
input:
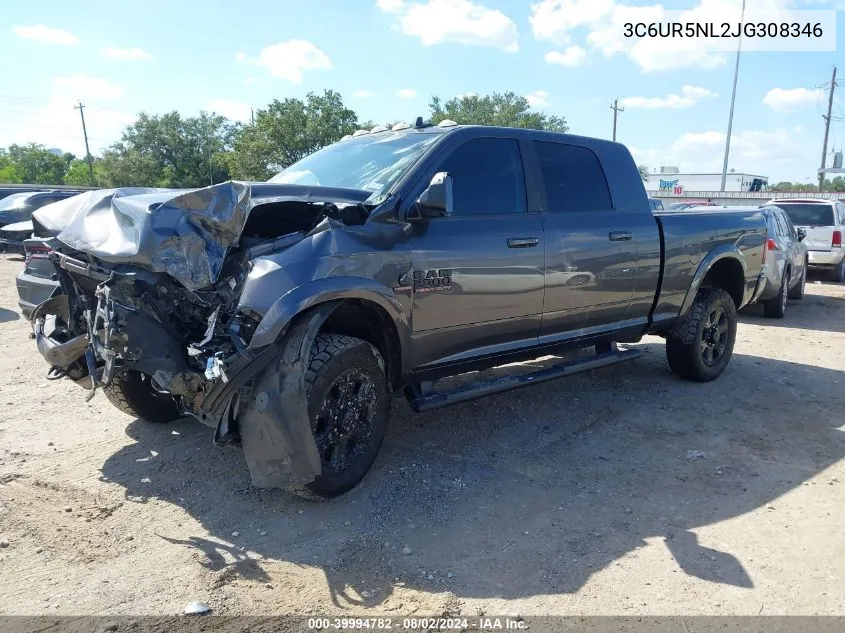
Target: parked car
{"points": [[786, 262], [680, 206], [12, 236], [656, 205], [18, 207], [286, 314], [824, 222]]}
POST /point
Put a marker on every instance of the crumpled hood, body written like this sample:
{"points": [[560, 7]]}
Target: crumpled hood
{"points": [[185, 233]]}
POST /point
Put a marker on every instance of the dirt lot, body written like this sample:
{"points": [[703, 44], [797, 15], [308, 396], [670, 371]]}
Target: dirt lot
{"points": [[623, 491]]}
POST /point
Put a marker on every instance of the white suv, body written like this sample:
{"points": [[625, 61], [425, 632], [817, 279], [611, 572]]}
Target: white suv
{"points": [[824, 223]]}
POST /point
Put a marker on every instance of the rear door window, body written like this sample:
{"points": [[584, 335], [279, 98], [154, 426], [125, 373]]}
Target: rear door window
{"points": [[574, 178]]}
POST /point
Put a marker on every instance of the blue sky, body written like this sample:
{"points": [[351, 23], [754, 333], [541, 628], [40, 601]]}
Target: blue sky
{"points": [[388, 57]]}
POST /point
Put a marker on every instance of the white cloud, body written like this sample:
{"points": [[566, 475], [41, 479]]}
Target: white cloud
{"points": [[783, 100], [231, 109], [241, 57], [406, 93], [690, 95], [363, 94], [573, 56], [56, 123], [538, 99], [41, 33], [779, 154], [289, 60], [458, 21], [125, 53], [85, 87], [390, 6], [600, 24]]}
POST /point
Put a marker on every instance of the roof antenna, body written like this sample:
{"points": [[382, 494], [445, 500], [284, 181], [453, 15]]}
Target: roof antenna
{"points": [[419, 122]]}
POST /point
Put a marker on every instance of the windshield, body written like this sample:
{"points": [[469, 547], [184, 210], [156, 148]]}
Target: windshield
{"points": [[367, 162], [14, 201], [809, 214]]}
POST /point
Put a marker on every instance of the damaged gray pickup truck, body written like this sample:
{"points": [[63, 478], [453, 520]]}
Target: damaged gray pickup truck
{"points": [[285, 314]]}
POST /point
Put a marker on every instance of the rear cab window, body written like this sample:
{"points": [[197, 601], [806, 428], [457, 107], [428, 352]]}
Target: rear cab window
{"points": [[573, 177]]}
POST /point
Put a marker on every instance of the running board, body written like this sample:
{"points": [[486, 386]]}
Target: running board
{"points": [[428, 401]]}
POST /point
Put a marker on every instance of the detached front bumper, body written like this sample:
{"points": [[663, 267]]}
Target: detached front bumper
{"points": [[826, 258], [762, 282]]}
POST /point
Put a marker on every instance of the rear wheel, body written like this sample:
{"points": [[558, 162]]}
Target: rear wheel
{"points": [[348, 406], [839, 272], [798, 291], [133, 393], [776, 308], [700, 345]]}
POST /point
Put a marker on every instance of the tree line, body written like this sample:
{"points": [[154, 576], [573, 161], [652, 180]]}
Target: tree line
{"points": [[171, 150]]}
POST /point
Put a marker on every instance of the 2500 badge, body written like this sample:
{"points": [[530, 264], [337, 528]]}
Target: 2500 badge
{"points": [[433, 280]]}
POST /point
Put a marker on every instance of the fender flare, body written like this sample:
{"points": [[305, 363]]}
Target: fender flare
{"points": [[725, 251], [314, 293]]}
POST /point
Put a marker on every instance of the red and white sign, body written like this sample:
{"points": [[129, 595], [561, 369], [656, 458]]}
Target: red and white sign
{"points": [[678, 190]]}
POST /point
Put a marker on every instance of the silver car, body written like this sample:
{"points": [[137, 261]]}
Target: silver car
{"points": [[786, 262], [824, 223]]}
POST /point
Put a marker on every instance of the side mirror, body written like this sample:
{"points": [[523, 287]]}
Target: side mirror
{"points": [[801, 234], [435, 201]]}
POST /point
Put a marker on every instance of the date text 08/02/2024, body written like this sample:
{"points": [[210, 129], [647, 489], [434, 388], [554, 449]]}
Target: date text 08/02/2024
{"points": [[723, 30], [421, 623]]}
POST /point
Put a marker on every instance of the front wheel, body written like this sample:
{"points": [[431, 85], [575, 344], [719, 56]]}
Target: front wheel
{"points": [[134, 393], [348, 406], [700, 345]]}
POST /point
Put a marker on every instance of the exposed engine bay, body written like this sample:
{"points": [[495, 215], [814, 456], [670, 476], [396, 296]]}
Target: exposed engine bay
{"points": [[154, 316]]}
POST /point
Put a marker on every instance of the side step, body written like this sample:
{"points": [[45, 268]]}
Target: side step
{"points": [[421, 400]]}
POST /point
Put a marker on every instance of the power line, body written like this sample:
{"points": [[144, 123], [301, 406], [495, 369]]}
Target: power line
{"points": [[80, 107]]}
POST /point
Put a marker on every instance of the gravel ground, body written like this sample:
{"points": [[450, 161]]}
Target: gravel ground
{"points": [[621, 491]]}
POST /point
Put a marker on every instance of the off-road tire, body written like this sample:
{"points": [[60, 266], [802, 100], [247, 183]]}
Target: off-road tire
{"points": [[684, 342], [133, 393], [776, 308], [839, 272], [797, 293], [334, 358]]}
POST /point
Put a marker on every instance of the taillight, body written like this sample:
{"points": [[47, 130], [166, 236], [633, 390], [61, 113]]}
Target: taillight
{"points": [[35, 251], [770, 245], [837, 239]]}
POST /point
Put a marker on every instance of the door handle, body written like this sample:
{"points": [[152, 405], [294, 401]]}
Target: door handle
{"points": [[522, 242], [620, 236]]}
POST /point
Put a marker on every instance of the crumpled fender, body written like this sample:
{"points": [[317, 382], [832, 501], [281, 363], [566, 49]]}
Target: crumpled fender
{"points": [[274, 427]]}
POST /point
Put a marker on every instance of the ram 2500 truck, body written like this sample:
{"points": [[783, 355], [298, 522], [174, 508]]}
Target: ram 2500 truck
{"points": [[285, 314]]}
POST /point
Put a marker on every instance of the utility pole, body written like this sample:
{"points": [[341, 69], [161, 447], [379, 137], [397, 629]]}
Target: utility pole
{"points": [[733, 102], [88, 151], [827, 130], [251, 116], [616, 110]]}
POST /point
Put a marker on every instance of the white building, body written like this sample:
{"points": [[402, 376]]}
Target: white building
{"points": [[670, 178]]}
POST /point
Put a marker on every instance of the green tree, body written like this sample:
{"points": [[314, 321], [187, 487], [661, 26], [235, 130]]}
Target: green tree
{"points": [[8, 170], [77, 173], [784, 186], [170, 151], [643, 172], [837, 184], [508, 110], [287, 131], [36, 165]]}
